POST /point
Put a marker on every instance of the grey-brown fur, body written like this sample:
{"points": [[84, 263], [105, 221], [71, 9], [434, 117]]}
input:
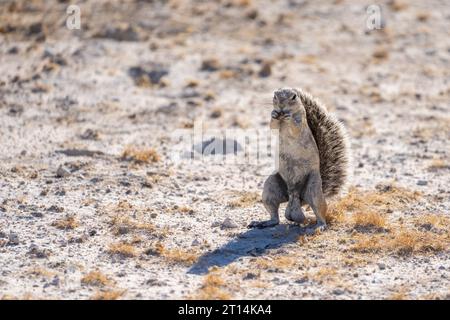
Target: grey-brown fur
{"points": [[313, 158]]}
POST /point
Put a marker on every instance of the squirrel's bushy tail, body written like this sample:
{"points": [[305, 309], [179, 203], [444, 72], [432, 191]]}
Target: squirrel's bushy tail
{"points": [[332, 142]]}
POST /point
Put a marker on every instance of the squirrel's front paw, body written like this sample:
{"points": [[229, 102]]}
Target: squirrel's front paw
{"points": [[275, 114]]}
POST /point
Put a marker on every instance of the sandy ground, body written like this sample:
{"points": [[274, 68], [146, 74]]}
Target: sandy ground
{"points": [[122, 219]]}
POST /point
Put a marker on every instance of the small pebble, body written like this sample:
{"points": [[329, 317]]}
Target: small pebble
{"points": [[13, 239], [229, 224], [37, 214], [62, 172]]}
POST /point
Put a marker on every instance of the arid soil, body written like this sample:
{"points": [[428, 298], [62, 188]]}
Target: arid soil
{"points": [[94, 206]]}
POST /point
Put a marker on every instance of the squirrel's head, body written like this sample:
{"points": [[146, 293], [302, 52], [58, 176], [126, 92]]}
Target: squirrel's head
{"points": [[287, 101]]}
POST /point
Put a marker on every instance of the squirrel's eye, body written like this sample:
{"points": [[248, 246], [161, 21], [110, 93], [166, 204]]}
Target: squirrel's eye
{"points": [[294, 97]]}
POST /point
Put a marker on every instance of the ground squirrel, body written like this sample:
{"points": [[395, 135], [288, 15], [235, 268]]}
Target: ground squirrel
{"points": [[313, 158]]}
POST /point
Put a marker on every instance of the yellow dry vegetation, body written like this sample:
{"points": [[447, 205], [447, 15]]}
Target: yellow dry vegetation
{"points": [[140, 155], [122, 249], [95, 278], [67, 223], [213, 288], [245, 199]]}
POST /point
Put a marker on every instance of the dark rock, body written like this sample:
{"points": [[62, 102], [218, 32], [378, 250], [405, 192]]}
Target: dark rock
{"points": [[124, 183], [216, 114], [229, 224], [15, 110], [13, 239], [147, 184], [55, 58], [34, 29], [13, 50], [422, 183], [123, 230], [89, 134], [155, 282], [60, 192], [171, 108], [62, 172], [65, 103], [382, 266], [55, 209], [119, 33], [210, 65], [153, 76], [256, 252], [36, 252], [301, 280], [37, 214], [80, 153], [338, 291], [252, 14], [383, 187], [250, 276], [266, 70]]}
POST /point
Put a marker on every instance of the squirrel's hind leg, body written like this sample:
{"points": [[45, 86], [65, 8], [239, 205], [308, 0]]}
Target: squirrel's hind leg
{"points": [[275, 192], [313, 196], [294, 210]]}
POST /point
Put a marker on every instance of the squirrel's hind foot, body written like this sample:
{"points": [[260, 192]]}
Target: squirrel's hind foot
{"points": [[316, 228], [263, 224]]}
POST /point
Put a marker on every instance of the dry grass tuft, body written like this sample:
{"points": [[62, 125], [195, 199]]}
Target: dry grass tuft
{"points": [[124, 250], [276, 263], [25, 296], [439, 129], [192, 83], [124, 224], [67, 223], [401, 294], [245, 199], [325, 273], [108, 295], [177, 256], [126, 218], [403, 243], [95, 278], [433, 222], [438, 164], [180, 256], [227, 74], [397, 5], [369, 220], [185, 209], [140, 156], [385, 198], [213, 288], [308, 59], [213, 279]]}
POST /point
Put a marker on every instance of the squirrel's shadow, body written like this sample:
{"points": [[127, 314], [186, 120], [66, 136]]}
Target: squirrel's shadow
{"points": [[253, 242]]}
